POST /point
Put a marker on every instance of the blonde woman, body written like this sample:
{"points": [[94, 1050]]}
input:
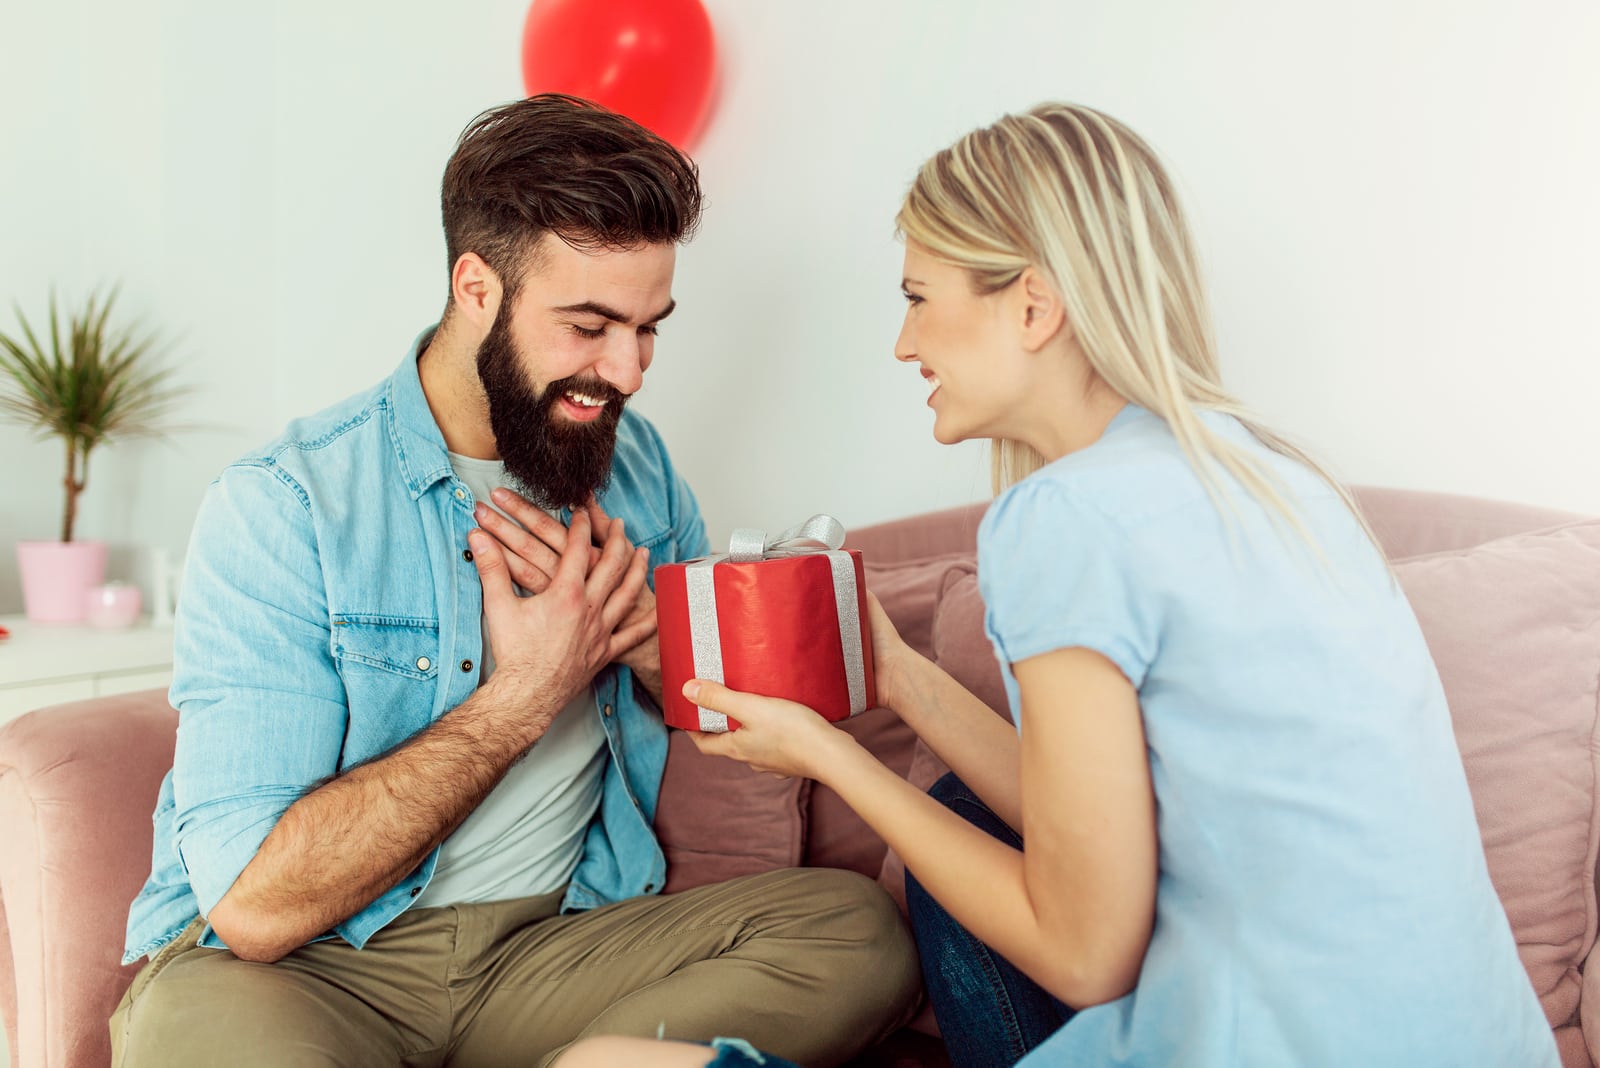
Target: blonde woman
{"points": [[1232, 827]]}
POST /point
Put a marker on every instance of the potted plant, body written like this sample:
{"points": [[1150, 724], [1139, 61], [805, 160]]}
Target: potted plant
{"points": [[92, 383]]}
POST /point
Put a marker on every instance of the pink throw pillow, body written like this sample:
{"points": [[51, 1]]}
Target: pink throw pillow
{"points": [[962, 649], [909, 592], [718, 819], [1514, 627]]}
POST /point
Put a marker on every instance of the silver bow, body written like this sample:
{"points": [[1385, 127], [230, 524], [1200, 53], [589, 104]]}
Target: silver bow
{"points": [[821, 534]]}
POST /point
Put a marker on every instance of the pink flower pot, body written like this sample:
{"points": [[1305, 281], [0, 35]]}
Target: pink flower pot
{"points": [[57, 577]]}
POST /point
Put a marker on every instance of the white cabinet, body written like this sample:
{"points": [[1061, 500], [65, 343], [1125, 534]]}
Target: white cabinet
{"points": [[48, 663]]}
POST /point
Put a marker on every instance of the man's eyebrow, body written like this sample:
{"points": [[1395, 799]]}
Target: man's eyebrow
{"points": [[605, 311]]}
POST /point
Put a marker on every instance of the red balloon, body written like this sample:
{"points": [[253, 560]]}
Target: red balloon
{"points": [[652, 60]]}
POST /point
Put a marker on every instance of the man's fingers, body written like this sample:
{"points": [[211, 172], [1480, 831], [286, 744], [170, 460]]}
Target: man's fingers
{"points": [[490, 560], [614, 560], [524, 574], [575, 554], [517, 540], [539, 523], [622, 599]]}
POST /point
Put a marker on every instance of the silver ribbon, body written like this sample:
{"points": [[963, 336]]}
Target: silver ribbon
{"points": [[821, 534]]}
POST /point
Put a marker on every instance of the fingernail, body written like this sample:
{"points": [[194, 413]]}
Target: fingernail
{"points": [[480, 510], [501, 494], [691, 689], [476, 538]]}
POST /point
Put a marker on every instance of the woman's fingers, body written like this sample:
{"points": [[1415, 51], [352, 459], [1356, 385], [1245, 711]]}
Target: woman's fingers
{"points": [[744, 707]]}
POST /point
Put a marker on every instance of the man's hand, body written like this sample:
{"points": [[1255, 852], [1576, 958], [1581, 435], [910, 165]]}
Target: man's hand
{"points": [[534, 551], [554, 641]]}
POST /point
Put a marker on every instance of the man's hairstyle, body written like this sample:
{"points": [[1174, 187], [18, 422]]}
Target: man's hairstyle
{"points": [[558, 164]]}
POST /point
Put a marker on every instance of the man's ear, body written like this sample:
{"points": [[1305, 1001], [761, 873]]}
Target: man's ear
{"points": [[475, 291], [1041, 313]]}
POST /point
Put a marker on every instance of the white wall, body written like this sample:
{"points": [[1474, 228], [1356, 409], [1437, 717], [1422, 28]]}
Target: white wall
{"points": [[1395, 201]]}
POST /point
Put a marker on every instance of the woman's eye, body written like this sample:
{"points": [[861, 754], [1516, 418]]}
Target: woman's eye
{"points": [[583, 331], [911, 298]]}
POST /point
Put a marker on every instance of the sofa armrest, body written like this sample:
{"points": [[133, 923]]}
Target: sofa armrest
{"points": [[78, 785]]}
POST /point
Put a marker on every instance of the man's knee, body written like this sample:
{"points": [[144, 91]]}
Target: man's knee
{"points": [[210, 1008], [856, 912]]}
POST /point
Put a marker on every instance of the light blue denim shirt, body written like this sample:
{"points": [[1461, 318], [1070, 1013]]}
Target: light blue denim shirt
{"points": [[328, 614]]}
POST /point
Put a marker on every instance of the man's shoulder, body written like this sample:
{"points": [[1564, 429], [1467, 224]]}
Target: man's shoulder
{"points": [[310, 441]]}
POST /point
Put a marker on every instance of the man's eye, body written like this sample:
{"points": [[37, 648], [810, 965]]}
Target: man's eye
{"points": [[652, 330], [583, 331]]}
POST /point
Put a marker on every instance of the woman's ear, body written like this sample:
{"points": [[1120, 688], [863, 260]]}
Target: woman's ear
{"points": [[475, 291], [1042, 314]]}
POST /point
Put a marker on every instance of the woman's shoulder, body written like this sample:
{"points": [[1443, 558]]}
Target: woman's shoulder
{"points": [[1135, 473]]}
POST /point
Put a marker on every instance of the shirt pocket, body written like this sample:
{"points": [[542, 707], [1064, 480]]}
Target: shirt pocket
{"points": [[390, 668]]}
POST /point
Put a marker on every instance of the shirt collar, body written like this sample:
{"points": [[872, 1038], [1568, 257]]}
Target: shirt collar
{"points": [[418, 443]]}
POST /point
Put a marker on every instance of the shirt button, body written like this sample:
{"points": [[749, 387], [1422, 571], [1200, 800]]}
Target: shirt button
{"points": [[466, 665], [608, 710], [423, 663], [415, 890], [461, 494], [466, 554]]}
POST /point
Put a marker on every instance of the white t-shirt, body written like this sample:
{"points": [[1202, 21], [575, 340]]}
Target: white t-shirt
{"points": [[527, 836]]}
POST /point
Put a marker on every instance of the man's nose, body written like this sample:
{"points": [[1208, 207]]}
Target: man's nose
{"points": [[622, 366]]}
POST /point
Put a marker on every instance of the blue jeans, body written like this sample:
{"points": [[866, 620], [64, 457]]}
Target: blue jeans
{"points": [[990, 1014]]}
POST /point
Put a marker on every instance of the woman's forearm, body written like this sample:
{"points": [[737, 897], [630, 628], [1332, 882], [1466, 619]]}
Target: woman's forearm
{"points": [[978, 879], [978, 745]]}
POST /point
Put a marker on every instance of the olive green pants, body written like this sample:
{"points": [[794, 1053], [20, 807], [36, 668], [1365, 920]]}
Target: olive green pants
{"points": [[812, 964]]}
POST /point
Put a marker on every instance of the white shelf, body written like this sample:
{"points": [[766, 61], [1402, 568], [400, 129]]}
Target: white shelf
{"points": [[49, 663]]}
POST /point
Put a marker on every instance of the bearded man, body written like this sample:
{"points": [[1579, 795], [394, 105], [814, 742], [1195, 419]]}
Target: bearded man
{"points": [[420, 747]]}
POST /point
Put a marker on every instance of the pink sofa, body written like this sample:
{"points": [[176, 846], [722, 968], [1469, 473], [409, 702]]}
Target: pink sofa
{"points": [[1508, 596]]}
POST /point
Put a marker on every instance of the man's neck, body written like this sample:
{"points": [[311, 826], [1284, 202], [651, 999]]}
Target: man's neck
{"points": [[449, 372]]}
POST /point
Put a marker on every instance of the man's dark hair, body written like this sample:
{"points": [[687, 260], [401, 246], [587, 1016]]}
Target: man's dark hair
{"points": [[556, 163]]}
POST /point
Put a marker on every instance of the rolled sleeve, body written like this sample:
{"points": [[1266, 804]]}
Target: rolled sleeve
{"points": [[262, 713]]}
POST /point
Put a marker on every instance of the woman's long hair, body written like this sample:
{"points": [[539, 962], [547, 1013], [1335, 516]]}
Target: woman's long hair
{"points": [[1082, 199]]}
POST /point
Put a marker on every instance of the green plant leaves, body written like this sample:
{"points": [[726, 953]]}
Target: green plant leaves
{"points": [[96, 381]]}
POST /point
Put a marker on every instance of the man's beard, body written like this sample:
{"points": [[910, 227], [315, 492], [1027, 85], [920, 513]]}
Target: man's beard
{"points": [[555, 462]]}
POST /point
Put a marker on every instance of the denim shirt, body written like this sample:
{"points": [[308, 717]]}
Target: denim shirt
{"points": [[329, 613]]}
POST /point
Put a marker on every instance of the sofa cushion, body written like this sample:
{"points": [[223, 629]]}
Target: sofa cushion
{"points": [[1514, 627], [962, 649], [719, 819], [909, 591]]}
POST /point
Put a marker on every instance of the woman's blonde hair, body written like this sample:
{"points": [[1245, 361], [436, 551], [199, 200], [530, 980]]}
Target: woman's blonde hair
{"points": [[1082, 199]]}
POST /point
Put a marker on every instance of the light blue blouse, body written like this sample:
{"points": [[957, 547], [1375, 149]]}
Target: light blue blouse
{"points": [[1323, 897]]}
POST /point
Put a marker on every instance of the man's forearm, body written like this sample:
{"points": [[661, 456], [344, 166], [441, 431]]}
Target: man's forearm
{"points": [[344, 843]]}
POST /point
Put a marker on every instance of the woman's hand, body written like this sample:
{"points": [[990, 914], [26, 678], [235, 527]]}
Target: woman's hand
{"points": [[774, 735], [892, 658]]}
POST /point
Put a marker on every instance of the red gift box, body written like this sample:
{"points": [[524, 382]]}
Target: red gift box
{"points": [[784, 617]]}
